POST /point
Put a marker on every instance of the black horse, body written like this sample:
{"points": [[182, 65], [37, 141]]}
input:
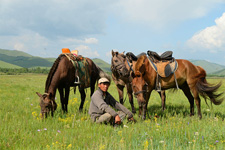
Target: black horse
{"points": [[62, 77]]}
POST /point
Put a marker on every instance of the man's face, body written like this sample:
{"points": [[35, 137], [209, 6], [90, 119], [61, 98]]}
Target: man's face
{"points": [[104, 86]]}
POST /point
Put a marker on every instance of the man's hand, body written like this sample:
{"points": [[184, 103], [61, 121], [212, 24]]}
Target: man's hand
{"points": [[117, 120], [132, 120]]}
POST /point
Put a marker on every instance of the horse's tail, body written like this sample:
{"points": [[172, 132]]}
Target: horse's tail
{"points": [[102, 74], [205, 89]]}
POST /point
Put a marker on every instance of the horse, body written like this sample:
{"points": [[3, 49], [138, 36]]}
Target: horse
{"points": [[121, 67], [191, 79], [62, 77]]}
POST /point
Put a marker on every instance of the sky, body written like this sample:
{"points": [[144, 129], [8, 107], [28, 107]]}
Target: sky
{"points": [[192, 29]]}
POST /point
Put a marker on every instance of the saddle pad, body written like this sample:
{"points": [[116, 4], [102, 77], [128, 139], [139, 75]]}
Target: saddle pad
{"points": [[84, 75], [165, 69], [80, 63]]}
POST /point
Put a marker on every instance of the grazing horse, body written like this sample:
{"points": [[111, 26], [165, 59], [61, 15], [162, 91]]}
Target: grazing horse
{"points": [[121, 67], [191, 79], [62, 77]]}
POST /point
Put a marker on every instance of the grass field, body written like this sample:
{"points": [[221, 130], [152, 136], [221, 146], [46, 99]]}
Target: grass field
{"points": [[22, 128]]}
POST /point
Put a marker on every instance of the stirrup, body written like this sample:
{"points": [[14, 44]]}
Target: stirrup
{"points": [[78, 80], [159, 87]]}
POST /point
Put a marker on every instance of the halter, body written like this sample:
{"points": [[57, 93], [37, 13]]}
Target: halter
{"points": [[136, 93], [142, 91], [115, 68]]}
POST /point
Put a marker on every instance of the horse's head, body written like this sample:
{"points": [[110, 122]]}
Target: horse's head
{"points": [[139, 85], [118, 64], [47, 104]]}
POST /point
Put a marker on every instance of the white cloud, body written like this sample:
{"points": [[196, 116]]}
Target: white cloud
{"points": [[53, 18], [79, 41], [87, 51], [211, 38], [91, 41], [109, 54], [161, 13], [19, 46]]}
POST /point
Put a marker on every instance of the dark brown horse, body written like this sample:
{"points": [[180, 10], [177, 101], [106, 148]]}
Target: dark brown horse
{"points": [[122, 66], [191, 79], [62, 77]]}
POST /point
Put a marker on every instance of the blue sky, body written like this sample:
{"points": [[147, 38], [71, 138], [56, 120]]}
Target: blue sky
{"points": [[192, 29]]}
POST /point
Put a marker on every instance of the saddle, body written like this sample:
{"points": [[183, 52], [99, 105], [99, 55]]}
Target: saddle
{"points": [[164, 65], [81, 69]]}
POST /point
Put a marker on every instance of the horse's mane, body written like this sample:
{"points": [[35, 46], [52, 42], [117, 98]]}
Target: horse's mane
{"points": [[139, 62], [141, 54], [52, 72]]}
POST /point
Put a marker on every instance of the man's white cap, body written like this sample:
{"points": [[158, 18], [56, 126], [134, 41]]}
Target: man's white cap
{"points": [[102, 80]]}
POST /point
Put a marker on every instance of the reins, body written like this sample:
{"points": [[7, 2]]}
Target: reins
{"points": [[130, 65]]}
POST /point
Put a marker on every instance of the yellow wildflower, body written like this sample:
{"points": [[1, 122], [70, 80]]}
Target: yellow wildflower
{"points": [[146, 145], [120, 133], [102, 147], [69, 146]]}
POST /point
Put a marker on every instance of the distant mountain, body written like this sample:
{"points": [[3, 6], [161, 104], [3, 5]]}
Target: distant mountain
{"points": [[18, 59], [102, 64], [208, 66], [7, 65], [14, 53], [219, 73], [26, 62]]}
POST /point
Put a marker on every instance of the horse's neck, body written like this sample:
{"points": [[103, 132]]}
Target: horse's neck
{"points": [[151, 74], [53, 84], [52, 89]]}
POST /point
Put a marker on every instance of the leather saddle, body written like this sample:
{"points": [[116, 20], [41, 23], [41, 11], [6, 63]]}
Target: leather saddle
{"points": [[164, 65], [166, 56]]}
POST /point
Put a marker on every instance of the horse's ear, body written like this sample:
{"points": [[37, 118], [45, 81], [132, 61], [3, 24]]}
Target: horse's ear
{"points": [[39, 94], [113, 53], [123, 52]]}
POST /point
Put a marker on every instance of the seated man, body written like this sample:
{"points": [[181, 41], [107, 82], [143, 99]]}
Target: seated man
{"points": [[100, 109]]}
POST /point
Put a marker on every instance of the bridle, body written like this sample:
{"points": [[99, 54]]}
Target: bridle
{"points": [[116, 68], [130, 65], [142, 91]]}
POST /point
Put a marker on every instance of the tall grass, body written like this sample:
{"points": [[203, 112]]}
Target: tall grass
{"points": [[22, 128]]}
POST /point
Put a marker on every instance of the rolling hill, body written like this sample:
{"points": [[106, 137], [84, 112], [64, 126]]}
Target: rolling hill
{"points": [[102, 64], [7, 65], [219, 73], [208, 66], [18, 59]]}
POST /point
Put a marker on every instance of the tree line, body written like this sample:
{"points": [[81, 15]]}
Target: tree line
{"points": [[16, 71]]}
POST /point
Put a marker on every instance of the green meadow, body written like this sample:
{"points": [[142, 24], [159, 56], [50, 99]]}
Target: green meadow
{"points": [[22, 128]]}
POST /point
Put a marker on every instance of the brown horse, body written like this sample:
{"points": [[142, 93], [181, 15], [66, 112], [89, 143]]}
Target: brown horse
{"points": [[62, 77], [122, 66], [190, 79]]}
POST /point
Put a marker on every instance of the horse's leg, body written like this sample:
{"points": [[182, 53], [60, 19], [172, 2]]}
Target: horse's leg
{"points": [[61, 93], [145, 104], [140, 108], [83, 96], [130, 95], [120, 91], [185, 88], [67, 93], [197, 101], [163, 99]]}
